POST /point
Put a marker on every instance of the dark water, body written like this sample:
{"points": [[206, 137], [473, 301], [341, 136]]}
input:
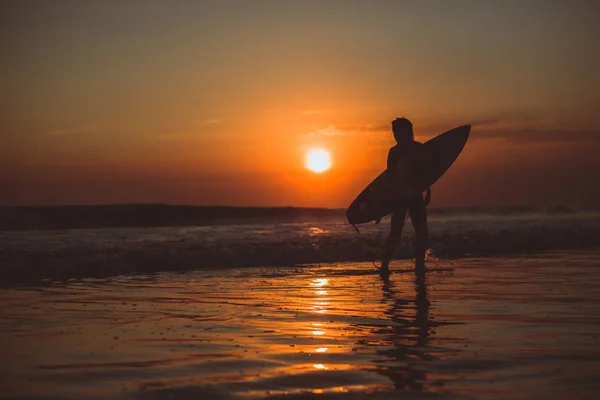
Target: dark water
{"points": [[31, 255]]}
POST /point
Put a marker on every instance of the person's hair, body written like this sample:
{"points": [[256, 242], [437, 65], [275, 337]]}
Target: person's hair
{"points": [[403, 129]]}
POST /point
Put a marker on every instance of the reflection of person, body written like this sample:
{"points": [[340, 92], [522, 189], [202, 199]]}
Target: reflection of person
{"points": [[399, 305], [411, 201], [422, 305], [401, 335]]}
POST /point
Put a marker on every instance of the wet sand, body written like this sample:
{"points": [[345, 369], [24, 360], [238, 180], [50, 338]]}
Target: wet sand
{"points": [[494, 328]]}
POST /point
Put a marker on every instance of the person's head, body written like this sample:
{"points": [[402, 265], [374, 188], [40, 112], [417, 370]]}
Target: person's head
{"points": [[403, 130]]}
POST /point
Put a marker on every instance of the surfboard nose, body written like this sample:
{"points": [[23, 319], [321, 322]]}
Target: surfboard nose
{"points": [[351, 214], [355, 213]]}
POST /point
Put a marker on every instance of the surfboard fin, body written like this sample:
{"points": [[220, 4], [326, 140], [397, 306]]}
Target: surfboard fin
{"points": [[357, 231]]}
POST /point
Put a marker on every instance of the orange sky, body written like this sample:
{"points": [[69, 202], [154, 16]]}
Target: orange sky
{"points": [[195, 103]]}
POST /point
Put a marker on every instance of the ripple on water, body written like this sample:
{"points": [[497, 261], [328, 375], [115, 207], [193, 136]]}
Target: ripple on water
{"points": [[483, 328]]}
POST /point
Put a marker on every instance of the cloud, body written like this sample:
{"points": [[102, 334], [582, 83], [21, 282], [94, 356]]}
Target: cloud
{"points": [[348, 130], [313, 112], [367, 128], [71, 131], [59, 132], [212, 121], [520, 130], [508, 121], [525, 128], [331, 130], [532, 135]]}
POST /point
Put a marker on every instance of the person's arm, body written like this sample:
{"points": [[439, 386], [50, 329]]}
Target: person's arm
{"points": [[392, 173], [391, 166]]}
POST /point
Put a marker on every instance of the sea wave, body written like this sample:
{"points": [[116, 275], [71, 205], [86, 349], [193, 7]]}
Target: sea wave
{"points": [[31, 256], [160, 215]]}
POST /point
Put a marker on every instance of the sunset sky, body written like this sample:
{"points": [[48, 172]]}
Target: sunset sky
{"points": [[198, 102]]}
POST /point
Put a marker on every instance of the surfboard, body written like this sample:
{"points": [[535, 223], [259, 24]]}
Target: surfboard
{"points": [[376, 200]]}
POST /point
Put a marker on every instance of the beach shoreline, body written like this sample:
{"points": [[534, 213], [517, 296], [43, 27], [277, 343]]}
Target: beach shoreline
{"points": [[494, 327], [31, 257]]}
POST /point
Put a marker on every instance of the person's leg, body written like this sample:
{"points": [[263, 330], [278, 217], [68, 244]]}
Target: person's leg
{"points": [[393, 239], [418, 217]]}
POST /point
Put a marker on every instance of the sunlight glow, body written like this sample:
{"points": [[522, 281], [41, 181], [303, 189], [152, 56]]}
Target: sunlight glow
{"points": [[318, 160]]}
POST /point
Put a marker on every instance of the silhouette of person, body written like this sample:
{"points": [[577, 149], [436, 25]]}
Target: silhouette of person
{"points": [[410, 202]]}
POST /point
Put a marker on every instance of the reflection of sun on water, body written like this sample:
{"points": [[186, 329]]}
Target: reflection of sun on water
{"points": [[320, 282], [314, 231], [339, 389], [319, 304]]}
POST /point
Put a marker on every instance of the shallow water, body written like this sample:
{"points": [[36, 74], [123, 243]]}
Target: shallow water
{"points": [[525, 327], [28, 257]]}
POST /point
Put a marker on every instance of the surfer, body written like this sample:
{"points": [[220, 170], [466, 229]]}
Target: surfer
{"points": [[413, 204]]}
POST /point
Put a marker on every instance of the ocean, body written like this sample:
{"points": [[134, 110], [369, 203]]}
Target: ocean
{"points": [[223, 307], [62, 243]]}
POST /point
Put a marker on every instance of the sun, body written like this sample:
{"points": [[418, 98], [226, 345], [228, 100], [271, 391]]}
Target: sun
{"points": [[318, 160]]}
